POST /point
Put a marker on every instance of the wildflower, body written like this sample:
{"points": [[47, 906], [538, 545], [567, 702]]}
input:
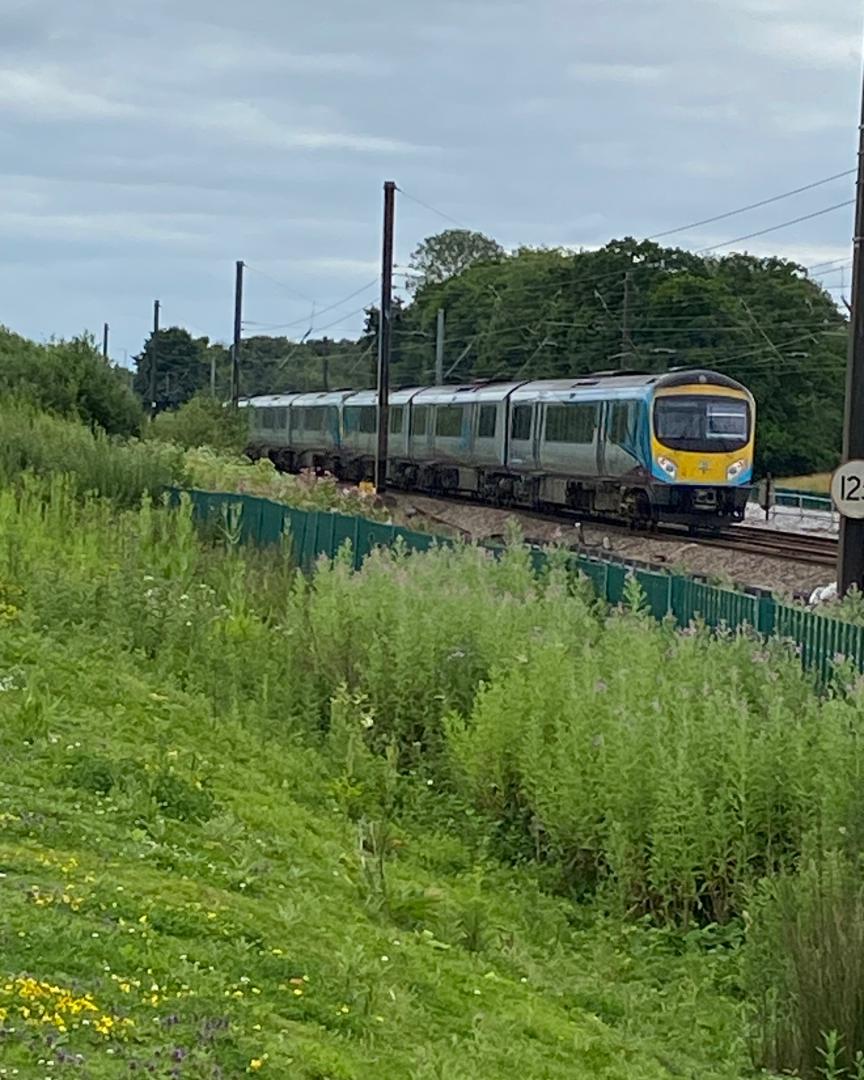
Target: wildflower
{"points": [[257, 1063]]}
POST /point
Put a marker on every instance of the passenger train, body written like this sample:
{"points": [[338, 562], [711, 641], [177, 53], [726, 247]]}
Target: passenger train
{"points": [[646, 448]]}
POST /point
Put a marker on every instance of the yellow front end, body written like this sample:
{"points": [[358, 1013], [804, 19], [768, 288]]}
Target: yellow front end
{"points": [[705, 466]]}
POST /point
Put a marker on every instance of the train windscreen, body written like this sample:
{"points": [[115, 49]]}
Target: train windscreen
{"points": [[702, 423]]}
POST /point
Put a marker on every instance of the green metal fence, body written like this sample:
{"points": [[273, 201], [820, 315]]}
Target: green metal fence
{"points": [[821, 641]]}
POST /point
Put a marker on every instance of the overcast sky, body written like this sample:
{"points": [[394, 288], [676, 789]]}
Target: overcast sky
{"points": [[146, 146]]}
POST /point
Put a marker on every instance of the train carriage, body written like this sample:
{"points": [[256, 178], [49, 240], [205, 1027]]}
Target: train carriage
{"points": [[642, 447]]}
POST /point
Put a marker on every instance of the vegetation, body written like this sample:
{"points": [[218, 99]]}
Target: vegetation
{"points": [[214, 863], [68, 378], [539, 313], [36, 443], [125, 471], [818, 483], [209, 471], [202, 421]]}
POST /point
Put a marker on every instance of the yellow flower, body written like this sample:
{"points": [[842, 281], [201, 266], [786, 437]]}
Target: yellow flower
{"points": [[257, 1063]]}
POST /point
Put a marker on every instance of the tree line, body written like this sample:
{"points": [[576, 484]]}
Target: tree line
{"points": [[532, 313]]}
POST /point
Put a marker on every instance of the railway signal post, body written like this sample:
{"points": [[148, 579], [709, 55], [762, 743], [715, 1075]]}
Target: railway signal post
{"points": [[384, 328], [850, 568]]}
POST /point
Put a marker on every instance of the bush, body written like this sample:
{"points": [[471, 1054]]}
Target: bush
{"points": [[211, 471], [69, 378], [35, 442], [203, 421]]}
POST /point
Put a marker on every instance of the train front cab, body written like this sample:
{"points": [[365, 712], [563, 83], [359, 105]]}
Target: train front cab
{"points": [[702, 429]]}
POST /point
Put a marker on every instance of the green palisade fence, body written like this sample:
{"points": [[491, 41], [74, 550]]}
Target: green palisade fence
{"points": [[821, 642]]}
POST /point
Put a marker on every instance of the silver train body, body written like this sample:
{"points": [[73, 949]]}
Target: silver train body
{"points": [[675, 447]]}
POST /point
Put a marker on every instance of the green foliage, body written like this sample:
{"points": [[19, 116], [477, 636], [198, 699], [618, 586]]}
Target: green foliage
{"points": [[182, 367], [202, 421], [44, 445], [805, 970], [69, 378], [177, 725], [211, 471], [450, 253]]}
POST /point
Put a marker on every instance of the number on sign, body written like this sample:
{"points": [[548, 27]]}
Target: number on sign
{"points": [[850, 488]]}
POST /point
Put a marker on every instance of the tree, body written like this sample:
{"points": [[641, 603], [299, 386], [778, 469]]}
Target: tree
{"points": [[69, 378], [182, 367], [450, 253]]}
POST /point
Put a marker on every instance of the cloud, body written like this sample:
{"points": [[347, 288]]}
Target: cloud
{"points": [[811, 44], [229, 56], [244, 122], [45, 94], [616, 73]]}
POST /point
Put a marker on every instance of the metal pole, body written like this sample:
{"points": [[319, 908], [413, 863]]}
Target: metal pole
{"points": [[850, 563], [325, 363], [105, 341], [154, 357], [212, 372], [238, 326], [384, 328], [625, 319], [439, 348]]}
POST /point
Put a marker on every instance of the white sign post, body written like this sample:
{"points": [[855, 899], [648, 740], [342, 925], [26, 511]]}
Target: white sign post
{"points": [[847, 489]]}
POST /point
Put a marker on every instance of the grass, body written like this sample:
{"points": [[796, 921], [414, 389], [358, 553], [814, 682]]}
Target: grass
{"points": [[818, 483], [127, 470], [209, 870], [440, 818]]}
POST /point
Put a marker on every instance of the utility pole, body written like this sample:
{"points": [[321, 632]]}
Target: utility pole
{"points": [[384, 328], [212, 372], [325, 362], [439, 348], [625, 318], [238, 327], [105, 342], [154, 357], [850, 565]]}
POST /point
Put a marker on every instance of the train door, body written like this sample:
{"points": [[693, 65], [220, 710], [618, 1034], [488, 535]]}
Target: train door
{"points": [[522, 449], [618, 447]]}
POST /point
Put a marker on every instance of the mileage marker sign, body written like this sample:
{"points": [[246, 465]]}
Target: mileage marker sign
{"points": [[847, 489]]}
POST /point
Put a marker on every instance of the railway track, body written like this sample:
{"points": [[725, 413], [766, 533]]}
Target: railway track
{"points": [[746, 539], [772, 543]]}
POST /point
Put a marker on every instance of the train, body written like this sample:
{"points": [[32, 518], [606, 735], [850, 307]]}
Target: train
{"points": [[673, 447]]}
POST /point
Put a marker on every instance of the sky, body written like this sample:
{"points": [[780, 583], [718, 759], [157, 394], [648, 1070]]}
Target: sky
{"points": [[145, 147]]}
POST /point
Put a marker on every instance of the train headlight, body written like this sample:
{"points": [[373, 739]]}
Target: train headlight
{"points": [[668, 466], [736, 468]]}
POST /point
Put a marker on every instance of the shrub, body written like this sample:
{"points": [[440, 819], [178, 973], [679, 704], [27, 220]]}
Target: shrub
{"points": [[35, 442], [203, 421], [69, 378]]}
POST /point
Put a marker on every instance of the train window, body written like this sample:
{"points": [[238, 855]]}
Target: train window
{"points": [[571, 423], [313, 418], [282, 418], [702, 424], [621, 415], [395, 419], [267, 419], [418, 419], [361, 418], [487, 422], [520, 428], [448, 421], [726, 418]]}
